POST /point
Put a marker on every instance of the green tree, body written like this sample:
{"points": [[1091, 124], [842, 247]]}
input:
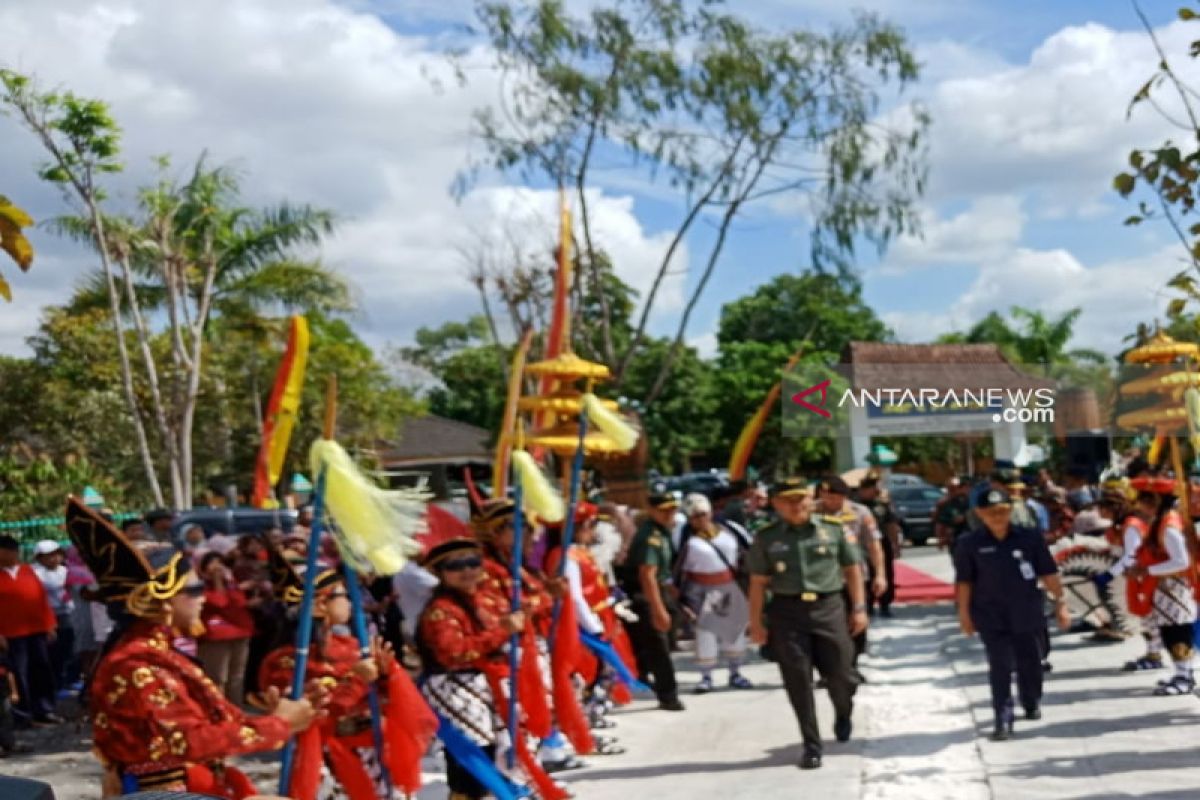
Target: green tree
{"points": [[192, 253], [1166, 178], [725, 113], [1032, 338], [13, 241], [819, 313], [468, 368]]}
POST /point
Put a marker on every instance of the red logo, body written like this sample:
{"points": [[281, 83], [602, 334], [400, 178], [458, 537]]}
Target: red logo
{"points": [[819, 408]]}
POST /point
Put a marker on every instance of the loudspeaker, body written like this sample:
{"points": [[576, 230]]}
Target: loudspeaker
{"points": [[1090, 451], [24, 789]]}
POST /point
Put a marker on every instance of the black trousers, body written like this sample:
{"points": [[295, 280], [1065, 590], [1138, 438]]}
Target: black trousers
{"points": [[8, 738], [462, 782], [804, 635], [889, 570], [62, 654], [1007, 651], [29, 659], [652, 649], [860, 640]]}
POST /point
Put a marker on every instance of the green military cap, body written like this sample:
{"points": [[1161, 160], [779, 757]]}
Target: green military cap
{"points": [[790, 487], [662, 500], [834, 484]]}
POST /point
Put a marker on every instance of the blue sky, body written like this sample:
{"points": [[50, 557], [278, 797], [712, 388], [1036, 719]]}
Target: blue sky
{"points": [[335, 103]]}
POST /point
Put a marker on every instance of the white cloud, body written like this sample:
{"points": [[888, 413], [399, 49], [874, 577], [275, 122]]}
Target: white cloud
{"points": [[1114, 295], [1055, 124], [705, 344], [990, 227], [314, 102]]}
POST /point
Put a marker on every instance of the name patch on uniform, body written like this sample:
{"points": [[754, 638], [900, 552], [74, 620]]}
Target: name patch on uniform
{"points": [[852, 538], [991, 549], [777, 547]]}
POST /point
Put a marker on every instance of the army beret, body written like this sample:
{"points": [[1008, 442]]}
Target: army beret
{"points": [[994, 497], [834, 484], [790, 487]]}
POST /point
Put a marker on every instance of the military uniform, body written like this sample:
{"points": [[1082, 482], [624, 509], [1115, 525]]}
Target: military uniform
{"points": [[952, 513], [651, 546], [885, 516], [806, 619]]}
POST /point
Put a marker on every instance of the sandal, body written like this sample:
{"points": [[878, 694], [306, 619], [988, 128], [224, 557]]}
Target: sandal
{"points": [[607, 747], [1177, 686], [1143, 663]]}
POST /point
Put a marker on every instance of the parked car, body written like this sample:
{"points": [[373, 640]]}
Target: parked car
{"points": [[24, 789], [914, 505], [233, 521], [896, 480]]}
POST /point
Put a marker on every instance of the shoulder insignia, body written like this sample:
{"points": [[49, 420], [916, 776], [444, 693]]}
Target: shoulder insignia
{"points": [[655, 541]]}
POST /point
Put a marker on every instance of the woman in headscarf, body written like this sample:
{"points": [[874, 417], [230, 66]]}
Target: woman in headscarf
{"points": [[159, 723]]}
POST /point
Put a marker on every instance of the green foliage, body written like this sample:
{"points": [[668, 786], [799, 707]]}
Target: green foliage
{"points": [[682, 422], [825, 310], [1169, 173], [725, 113], [468, 366], [1031, 338], [84, 139], [34, 486]]}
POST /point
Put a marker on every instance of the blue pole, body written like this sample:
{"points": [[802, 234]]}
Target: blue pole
{"points": [[364, 649], [569, 525], [514, 641], [304, 629]]}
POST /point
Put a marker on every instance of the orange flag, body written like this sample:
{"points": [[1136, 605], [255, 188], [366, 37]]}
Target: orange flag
{"points": [[281, 413]]}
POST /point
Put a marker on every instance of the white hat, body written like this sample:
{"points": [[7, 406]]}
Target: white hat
{"points": [[45, 547], [696, 503]]}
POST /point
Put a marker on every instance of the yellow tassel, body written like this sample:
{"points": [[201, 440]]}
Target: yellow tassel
{"points": [[1156, 447], [610, 423], [541, 498], [1191, 399], [375, 527]]}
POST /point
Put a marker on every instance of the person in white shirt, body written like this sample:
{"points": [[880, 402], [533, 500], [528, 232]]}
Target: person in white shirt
{"points": [[49, 563], [708, 563]]}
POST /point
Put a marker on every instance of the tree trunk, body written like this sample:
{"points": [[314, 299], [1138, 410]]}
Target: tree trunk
{"points": [[160, 415], [123, 353]]}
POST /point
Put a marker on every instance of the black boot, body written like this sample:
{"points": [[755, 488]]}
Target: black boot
{"points": [[811, 758], [1004, 724]]}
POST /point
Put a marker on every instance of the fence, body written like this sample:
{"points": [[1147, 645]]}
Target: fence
{"points": [[28, 532]]}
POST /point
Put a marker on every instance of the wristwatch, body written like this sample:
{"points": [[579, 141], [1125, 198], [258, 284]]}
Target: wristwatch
{"points": [[860, 607]]}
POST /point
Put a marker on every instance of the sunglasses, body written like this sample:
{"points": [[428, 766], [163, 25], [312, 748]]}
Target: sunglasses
{"points": [[460, 564], [193, 590]]}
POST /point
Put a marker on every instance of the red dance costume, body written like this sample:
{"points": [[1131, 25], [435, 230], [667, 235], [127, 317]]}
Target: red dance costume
{"points": [[157, 717], [343, 740]]}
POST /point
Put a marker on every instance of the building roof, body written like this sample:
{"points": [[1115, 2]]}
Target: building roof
{"points": [[437, 440], [882, 365]]}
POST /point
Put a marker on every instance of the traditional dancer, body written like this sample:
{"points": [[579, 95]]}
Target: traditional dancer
{"points": [[461, 639], [159, 722], [594, 612], [1130, 526], [338, 758], [1162, 575]]}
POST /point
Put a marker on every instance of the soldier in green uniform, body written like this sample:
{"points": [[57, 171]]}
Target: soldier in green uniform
{"points": [[645, 576], [804, 561]]}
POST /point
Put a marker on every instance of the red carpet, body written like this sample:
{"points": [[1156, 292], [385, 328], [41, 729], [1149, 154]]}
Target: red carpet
{"points": [[915, 586]]}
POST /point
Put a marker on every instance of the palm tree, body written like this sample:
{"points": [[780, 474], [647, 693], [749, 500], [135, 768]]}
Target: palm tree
{"points": [[197, 257]]}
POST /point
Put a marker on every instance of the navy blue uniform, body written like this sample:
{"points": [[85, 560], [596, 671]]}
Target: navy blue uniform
{"points": [[1007, 607]]}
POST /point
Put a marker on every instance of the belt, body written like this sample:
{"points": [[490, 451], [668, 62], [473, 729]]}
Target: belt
{"points": [[351, 726], [710, 578], [807, 597]]}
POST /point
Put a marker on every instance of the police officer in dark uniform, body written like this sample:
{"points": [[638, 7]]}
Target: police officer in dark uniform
{"points": [[996, 573], [804, 561], [645, 576]]}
